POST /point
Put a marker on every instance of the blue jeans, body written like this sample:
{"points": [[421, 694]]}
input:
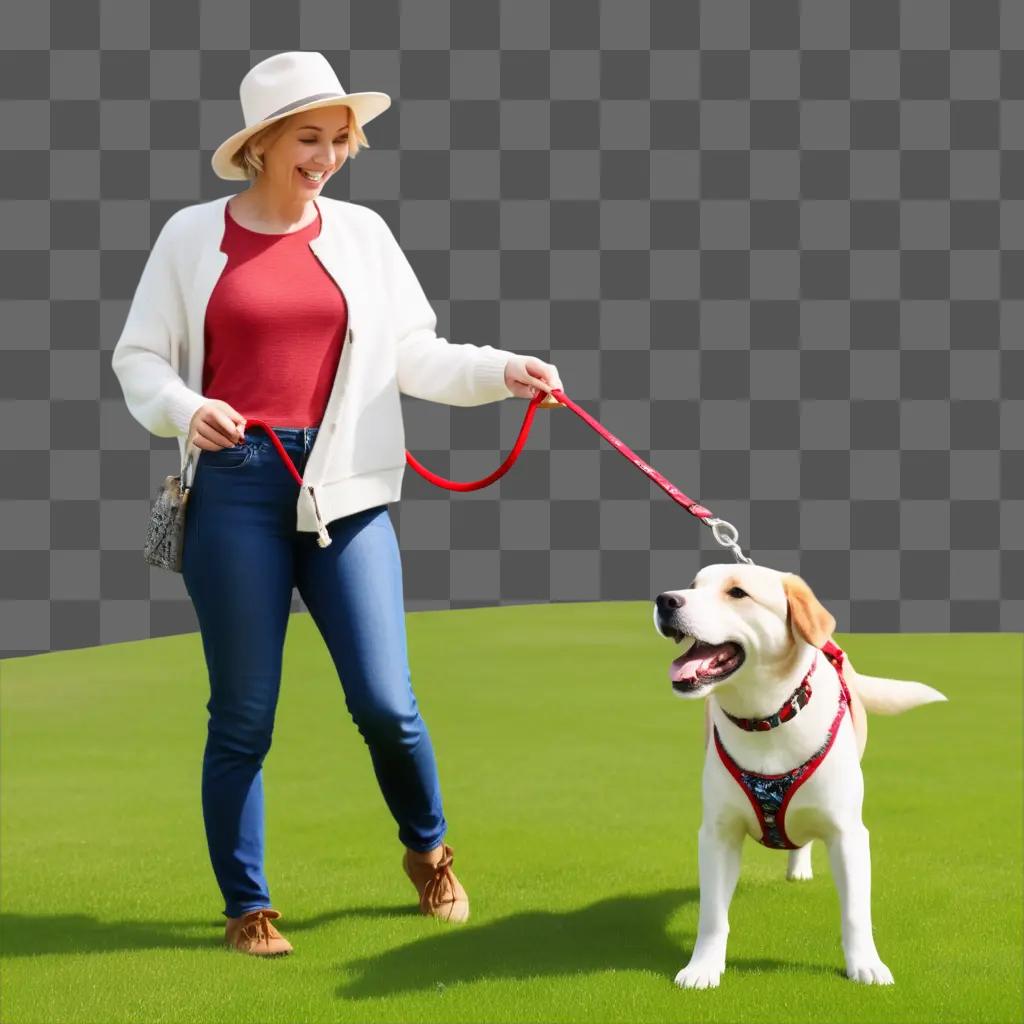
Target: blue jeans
{"points": [[242, 555]]}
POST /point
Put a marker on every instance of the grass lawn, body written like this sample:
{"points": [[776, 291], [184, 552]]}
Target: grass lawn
{"points": [[571, 778]]}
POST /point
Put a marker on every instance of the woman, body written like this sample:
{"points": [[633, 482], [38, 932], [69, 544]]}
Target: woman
{"points": [[255, 297]]}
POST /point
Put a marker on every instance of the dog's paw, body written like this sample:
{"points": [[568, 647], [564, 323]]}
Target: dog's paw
{"points": [[700, 974], [869, 972], [799, 873]]}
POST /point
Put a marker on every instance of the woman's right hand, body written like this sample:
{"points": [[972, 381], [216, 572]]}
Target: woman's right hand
{"points": [[215, 425]]}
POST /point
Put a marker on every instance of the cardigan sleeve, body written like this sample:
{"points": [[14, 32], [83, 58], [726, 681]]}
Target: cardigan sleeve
{"points": [[430, 367], [147, 355]]}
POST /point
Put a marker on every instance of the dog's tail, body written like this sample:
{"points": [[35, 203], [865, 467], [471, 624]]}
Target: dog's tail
{"points": [[889, 696]]}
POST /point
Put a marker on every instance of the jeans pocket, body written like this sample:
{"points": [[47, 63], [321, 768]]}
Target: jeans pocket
{"points": [[234, 457]]}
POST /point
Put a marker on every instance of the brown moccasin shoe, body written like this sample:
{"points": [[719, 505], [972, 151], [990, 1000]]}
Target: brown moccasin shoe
{"points": [[253, 933], [441, 893]]}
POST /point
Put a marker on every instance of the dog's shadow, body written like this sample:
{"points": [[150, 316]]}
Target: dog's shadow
{"points": [[620, 933]]}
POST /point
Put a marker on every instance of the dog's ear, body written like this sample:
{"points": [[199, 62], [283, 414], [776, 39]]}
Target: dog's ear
{"points": [[807, 615]]}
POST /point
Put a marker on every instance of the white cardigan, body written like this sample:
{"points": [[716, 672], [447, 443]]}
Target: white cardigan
{"points": [[358, 458]]}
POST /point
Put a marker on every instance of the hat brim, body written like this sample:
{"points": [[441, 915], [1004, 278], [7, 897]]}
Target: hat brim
{"points": [[365, 105]]}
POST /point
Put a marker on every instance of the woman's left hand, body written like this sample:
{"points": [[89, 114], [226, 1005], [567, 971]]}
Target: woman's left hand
{"points": [[525, 375]]}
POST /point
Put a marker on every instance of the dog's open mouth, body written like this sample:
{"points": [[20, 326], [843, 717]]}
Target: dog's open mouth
{"points": [[705, 663]]}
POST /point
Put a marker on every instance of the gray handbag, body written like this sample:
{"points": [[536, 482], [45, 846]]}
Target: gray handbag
{"points": [[165, 532]]}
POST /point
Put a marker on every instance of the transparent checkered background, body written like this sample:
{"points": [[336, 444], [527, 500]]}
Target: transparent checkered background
{"points": [[776, 248]]}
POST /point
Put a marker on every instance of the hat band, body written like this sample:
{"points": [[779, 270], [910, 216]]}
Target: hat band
{"points": [[298, 103]]}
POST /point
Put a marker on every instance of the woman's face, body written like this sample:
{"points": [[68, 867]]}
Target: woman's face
{"points": [[313, 140]]}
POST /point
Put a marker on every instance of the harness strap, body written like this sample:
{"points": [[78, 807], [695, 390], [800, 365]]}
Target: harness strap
{"points": [[770, 795], [837, 656]]}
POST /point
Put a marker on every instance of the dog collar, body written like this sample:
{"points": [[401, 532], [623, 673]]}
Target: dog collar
{"points": [[796, 700]]}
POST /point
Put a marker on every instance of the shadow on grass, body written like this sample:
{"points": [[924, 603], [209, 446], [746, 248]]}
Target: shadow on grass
{"points": [[55, 934], [622, 933], [762, 966]]}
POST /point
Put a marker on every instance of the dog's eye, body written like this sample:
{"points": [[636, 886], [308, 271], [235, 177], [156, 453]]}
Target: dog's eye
{"points": [[736, 592]]}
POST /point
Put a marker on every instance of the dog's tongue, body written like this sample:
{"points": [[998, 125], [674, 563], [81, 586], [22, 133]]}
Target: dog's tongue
{"points": [[696, 661]]}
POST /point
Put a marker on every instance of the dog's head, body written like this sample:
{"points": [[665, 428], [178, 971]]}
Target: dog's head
{"points": [[745, 624]]}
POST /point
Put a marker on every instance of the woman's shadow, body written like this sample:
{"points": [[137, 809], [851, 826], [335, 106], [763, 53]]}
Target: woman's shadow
{"points": [[621, 933]]}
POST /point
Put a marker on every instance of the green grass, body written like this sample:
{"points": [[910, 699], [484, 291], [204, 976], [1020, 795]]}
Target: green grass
{"points": [[571, 782]]}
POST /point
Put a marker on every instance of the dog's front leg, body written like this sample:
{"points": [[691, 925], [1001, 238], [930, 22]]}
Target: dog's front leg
{"points": [[718, 856], [850, 856]]}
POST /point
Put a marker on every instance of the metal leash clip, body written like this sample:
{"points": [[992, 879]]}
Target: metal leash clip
{"points": [[718, 525]]}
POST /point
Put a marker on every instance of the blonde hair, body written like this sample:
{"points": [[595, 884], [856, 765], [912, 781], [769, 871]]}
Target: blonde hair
{"points": [[251, 163]]}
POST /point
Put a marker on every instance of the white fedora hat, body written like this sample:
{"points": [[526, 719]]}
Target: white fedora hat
{"points": [[283, 85]]}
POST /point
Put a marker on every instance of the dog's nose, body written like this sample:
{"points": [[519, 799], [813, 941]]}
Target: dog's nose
{"points": [[669, 601]]}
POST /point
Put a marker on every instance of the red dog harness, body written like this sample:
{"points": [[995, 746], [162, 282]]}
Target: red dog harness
{"points": [[770, 794]]}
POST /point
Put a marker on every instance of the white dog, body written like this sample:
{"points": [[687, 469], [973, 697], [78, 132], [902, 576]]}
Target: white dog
{"points": [[785, 729]]}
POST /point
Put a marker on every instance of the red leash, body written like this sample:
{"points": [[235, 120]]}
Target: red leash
{"points": [[670, 489], [719, 527]]}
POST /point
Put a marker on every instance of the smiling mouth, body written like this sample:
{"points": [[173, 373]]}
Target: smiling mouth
{"points": [[704, 664]]}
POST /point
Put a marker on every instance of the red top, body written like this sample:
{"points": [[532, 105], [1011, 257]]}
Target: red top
{"points": [[275, 326]]}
